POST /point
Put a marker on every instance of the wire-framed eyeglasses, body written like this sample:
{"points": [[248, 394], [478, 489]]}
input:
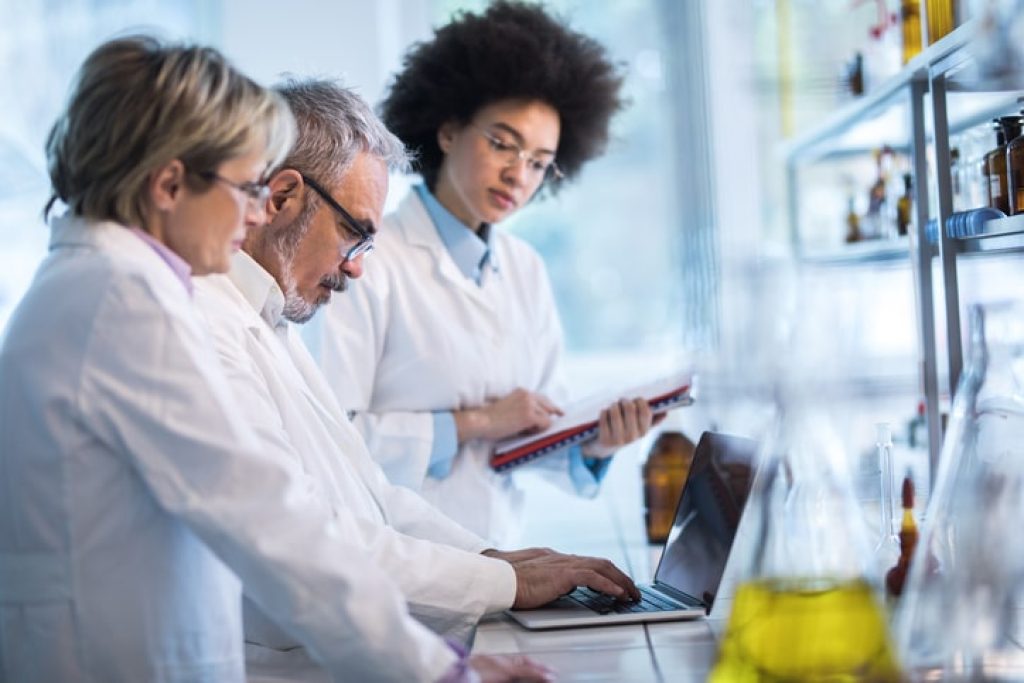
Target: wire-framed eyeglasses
{"points": [[364, 244], [256, 193], [510, 153]]}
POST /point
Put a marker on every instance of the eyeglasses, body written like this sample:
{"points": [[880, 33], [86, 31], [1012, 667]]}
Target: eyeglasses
{"points": [[364, 245], [511, 153], [256, 193]]}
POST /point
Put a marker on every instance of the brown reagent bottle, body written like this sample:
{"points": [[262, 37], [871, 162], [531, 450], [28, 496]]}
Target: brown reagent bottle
{"points": [[895, 577]]}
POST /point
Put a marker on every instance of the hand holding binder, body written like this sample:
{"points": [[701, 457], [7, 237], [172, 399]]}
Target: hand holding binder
{"points": [[579, 423]]}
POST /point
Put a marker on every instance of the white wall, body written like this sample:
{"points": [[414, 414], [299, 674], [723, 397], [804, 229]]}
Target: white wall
{"points": [[359, 42]]}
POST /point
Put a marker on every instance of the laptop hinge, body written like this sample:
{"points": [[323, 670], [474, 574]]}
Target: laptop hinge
{"points": [[679, 595]]}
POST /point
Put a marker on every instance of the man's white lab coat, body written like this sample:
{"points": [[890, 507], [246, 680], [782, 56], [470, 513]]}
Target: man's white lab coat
{"points": [[135, 502], [286, 401], [414, 335]]}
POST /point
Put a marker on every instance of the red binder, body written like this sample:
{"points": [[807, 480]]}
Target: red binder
{"points": [[579, 424]]}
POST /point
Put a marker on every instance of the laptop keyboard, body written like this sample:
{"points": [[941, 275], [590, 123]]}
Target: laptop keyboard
{"points": [[651, 601]]}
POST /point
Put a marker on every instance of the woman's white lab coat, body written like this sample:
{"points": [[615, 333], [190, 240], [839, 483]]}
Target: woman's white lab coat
{"points": [[414, 335], [134, 503]]}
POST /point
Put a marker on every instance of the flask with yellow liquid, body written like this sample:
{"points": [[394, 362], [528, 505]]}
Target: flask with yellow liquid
{"points": [[807, 605]]}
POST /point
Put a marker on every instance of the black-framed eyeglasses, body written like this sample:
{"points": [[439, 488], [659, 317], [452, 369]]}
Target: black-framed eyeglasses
{"points": [[256, 193], [510, 153], [365, 243]]}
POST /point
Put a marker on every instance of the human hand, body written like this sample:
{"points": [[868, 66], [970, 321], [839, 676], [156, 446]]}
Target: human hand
{"points": [[519, 411], [621, 423], [516, 556], [544, 578], [502, 668]]}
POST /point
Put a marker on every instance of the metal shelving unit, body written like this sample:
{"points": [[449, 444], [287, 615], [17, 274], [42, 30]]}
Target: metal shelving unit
{"points": [[1002, 235], [898, 113], [871, 251]]}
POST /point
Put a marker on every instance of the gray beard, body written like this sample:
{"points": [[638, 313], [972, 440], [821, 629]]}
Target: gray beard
{"points": [[298, 310], [295, 309]]}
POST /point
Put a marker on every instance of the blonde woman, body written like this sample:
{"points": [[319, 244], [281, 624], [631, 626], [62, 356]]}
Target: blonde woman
{"points": [[134, 505]]}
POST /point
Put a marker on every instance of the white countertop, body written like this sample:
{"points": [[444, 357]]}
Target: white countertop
{"points": [[668, 651]]}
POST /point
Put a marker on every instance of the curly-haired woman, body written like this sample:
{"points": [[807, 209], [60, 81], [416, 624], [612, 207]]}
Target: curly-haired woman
{"points": [[451, 340]]}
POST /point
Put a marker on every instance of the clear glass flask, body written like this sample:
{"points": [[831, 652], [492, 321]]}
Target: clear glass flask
{"points": [[961, 617], [807, 607]]}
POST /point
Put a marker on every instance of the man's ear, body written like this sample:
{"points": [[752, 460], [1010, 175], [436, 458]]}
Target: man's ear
{"points": [[285, 200], [165, 185]]}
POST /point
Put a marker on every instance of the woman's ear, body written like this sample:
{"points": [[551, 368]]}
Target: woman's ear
{"points": [[446, 135], [165, 185], [285, 200]]}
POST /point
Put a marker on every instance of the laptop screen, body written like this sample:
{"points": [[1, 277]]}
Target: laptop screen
{"points": [[707, 516]]}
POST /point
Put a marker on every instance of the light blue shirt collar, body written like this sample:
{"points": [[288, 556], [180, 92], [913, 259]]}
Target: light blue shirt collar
{"points": [[471, 252]]}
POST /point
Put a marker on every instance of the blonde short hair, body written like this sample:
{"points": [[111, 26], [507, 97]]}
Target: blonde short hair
{"points": [[137, 104]]}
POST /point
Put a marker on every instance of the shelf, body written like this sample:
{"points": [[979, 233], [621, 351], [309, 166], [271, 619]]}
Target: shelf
{"points": [[876, 113], [860, 126], [1002, 235], [967, 109], [869, 251]]}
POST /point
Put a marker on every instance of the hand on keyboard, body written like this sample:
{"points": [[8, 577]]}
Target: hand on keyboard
{"points": [[605, 604], [546, 577]]}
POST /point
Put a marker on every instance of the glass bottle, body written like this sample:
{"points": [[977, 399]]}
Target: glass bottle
{"points": [[664, 473], [804, 608], [910, 22], [904, 206], [896, 577], [852, 223], [1015, 173], [941, 18], [1008, 128], [955, 177], [961, 617]]}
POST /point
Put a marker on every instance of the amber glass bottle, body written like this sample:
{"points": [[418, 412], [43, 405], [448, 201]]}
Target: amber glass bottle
{"points": [[904, 205], [852, 224], [897, 576], [910, 21], [941, 18], [995, 162], [664, 473], [1015, 173]]}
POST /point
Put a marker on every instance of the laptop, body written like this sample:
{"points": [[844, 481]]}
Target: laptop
{"points": [[693, 557]]}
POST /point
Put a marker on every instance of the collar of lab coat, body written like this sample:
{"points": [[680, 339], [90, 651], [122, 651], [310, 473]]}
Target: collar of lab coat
{"points": [[69, 230], [258, 287], [417, 229], [470, 250]]}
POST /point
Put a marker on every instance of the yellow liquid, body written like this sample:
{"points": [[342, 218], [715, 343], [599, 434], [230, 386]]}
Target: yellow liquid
{"points": [[802, 631]]}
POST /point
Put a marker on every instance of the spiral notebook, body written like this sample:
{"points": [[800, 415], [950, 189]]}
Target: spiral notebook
{"points": [[579, 423]]}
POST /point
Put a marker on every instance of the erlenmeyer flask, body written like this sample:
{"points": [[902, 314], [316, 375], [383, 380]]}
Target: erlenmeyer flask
{"points": [[804, 609], [961, 614]]}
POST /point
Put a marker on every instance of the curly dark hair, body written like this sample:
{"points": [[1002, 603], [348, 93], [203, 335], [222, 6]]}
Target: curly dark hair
{"points": [[513, 50]]}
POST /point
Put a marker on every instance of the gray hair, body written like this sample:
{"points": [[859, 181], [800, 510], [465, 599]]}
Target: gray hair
{"points": [[138, 104], [335, 125]]}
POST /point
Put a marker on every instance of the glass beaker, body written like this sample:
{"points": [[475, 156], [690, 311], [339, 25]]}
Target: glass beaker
{"points": [[805, 608], [961, 616]]}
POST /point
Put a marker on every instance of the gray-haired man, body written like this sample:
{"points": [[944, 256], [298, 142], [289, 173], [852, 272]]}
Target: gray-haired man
{"points": [[325, 205]]}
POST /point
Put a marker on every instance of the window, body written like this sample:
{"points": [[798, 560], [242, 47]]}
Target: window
{"points": [[41, 46]]}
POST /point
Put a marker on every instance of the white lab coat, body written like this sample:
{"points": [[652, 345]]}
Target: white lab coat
{"points": [[286, 401], [134, 502], [414, 335]]}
